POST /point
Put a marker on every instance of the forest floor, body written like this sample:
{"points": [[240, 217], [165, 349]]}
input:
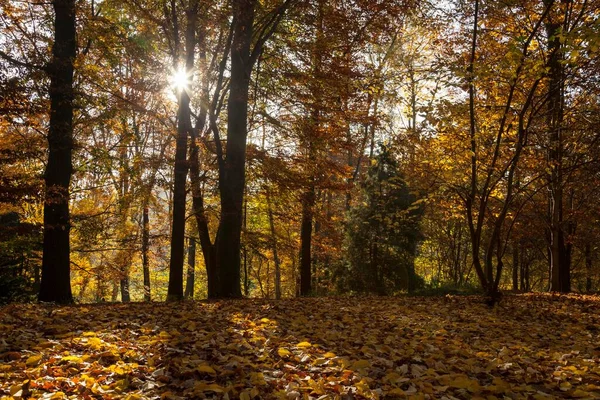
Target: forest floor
{"points": [[530, 346]]}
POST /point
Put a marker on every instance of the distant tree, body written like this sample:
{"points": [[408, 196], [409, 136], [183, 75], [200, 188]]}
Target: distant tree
{"points": [[383, 232]]}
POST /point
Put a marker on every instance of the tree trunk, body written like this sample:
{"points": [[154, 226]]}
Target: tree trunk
{"points": [[55, 285], [308, 204], [124, 284], [184, 128], [274, 248], [115, 292], [515, 267], [588, 268], [189, 285], [245, 252], [145, 251], [559, 268], [232, 177]]}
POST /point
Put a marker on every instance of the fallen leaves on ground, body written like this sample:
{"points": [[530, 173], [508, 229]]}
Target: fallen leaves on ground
{"points": [[531, 346]]}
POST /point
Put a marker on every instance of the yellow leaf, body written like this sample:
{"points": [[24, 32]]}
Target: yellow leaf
{"points": [[461, 382], [33, 361], [303, 345], [121, 384], [283, 352], [94, 343], [258, 379], [580, 393], [89, 334], [564, 386], [360, 364], [207, 369], [164, 335], [329, 355], [71, 358], [396, 392], [245, 395], [214, 387], [15, 389]]}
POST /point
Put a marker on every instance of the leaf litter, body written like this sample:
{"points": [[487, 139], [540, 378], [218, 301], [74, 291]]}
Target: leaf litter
{"points": [[529, 347]]}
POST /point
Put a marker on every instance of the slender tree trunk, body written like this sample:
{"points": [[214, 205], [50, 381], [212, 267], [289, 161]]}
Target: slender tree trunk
{"points": [[308, 204], [245, 251], [232, 177], [208, 248], [588, 268], [189, 285], [274, 247], [184, 128], [36, 278], [55, 285], [115, 292], [527, 277], [123, 258], [515, 267], [145, 251], [315, 257], [124, 284]]}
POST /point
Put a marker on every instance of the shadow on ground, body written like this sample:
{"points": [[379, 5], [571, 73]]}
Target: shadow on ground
{"points": [[451, 347]]}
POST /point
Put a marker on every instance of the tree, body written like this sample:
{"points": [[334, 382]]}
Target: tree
{"points": [[383, 232], [56, 279], [184, 128]]}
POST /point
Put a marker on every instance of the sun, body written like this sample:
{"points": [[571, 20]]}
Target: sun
{"points": [[180, 79]]}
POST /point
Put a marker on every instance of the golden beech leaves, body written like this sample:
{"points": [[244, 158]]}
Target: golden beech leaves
{"points": [[528, 347]]}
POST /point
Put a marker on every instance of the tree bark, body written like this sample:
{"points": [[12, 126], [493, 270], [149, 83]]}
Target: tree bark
{"points": [[308, 204], [145, 251], [189, 285], [515, 267], [559, 261], [588, 268], [232, 178], [184, 128], [124, 284], [245, 252], [274, 247], [55, 285]]}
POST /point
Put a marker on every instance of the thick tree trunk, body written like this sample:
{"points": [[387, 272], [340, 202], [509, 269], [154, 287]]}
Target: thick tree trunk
{"points": [[559, 260], [189, 285], [55, 285], [184, 128], [232, 177], [145, 251]]}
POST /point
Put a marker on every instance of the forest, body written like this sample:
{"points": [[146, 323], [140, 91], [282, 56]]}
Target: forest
{"points": [[299, 199], [173, 149]]}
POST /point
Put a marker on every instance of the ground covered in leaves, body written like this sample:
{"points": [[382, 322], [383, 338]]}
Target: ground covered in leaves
{"points": [[531, 346]]}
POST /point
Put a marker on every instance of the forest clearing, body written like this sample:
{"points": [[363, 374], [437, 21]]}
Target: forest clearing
{"points": [[536, 346]]}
